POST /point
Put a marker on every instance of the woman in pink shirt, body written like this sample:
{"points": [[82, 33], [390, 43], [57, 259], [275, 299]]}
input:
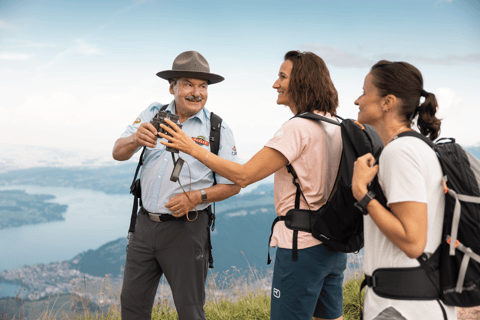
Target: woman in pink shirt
{"points": [[311, 285]]}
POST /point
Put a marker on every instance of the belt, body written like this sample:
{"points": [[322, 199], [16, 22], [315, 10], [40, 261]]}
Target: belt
{"points": [[163, 217]]}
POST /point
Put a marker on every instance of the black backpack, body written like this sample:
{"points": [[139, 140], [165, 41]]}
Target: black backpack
{"points": [[338, 223], [452, 272], [135, 187]]}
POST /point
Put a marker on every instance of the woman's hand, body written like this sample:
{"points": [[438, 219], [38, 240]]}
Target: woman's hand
{"points": [[363, 173], [177, 138]]}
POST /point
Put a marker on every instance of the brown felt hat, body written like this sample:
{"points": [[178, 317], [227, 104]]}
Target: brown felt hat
{"points": [[190, 64]]}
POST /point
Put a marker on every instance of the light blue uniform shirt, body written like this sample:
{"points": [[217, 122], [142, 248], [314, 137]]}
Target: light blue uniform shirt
{"points": [[157, 189]]}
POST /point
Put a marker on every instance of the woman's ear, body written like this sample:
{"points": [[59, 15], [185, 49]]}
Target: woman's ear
{"points": [[389, 102]]}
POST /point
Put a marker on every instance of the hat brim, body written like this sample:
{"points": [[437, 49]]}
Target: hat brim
{"points": [[210, 77]]}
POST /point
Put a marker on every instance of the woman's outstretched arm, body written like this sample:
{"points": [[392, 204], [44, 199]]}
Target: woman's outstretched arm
{"points": [[262, 164]]}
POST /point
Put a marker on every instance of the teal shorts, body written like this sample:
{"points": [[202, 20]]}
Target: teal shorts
{"points": [[310, 286]]}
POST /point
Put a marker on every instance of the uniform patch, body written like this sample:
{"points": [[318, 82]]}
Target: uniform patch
{"points": [[138, 120], [201, 140], [276, 293]]}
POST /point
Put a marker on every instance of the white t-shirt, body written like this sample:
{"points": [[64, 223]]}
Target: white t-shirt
{"points": [[409, 171]]}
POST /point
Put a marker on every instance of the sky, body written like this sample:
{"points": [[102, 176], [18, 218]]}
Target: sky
{"points": [[74, 74]]}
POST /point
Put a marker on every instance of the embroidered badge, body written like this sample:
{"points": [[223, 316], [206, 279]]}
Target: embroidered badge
{"points": [[234, 151], [276, 293], [138, 120], [201, 140]]}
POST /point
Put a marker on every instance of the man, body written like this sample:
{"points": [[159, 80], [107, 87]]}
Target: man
{"points": [[169, 237]]}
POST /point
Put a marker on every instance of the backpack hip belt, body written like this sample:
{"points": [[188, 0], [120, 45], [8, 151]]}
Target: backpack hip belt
{"points": [[402, 284]]}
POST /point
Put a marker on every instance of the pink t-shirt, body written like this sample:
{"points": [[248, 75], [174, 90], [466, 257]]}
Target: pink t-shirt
{"points": [[313, 148]]}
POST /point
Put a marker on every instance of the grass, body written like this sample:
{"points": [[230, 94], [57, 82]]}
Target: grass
{"points": [[234, 295]]}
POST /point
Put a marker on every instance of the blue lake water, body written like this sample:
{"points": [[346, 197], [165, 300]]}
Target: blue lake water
{"points": [[9, 290], [92, 219]]}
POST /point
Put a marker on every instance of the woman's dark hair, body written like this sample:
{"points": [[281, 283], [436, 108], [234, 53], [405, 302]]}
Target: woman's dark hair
{"points": [[310, 86], [405, 82]]}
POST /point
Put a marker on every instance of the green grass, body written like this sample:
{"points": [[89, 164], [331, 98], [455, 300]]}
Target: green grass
{"points": [[242, 295]]}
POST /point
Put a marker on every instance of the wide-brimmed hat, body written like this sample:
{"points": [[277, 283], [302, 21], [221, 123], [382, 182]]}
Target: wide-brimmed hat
{"points": [[190, 64]]}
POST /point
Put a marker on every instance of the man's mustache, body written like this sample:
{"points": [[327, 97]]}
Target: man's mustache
{"points": [[193, 98]]}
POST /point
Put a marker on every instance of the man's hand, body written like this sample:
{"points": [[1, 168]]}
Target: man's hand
{"points": [[180, 204], [146, 135]]}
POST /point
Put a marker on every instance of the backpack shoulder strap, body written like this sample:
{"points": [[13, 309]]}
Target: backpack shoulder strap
{"points": [[135, 189], [215, 128], [418, 135], [311, 116], [314, 116]]}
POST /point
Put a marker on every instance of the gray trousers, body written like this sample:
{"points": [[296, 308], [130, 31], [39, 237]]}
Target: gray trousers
{"points": [[179, 250]]}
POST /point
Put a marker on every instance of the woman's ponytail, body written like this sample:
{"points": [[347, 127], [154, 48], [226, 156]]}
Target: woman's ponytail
{"points": [[427, 122]]}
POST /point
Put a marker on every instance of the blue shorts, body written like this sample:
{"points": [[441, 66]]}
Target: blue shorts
{"points": [[311, 286]]}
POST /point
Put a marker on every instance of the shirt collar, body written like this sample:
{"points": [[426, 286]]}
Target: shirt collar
{"points": [[202, 115]]}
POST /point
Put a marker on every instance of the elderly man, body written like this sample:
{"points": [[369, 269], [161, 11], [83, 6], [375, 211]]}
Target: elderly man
{"points": [[172, 228]]}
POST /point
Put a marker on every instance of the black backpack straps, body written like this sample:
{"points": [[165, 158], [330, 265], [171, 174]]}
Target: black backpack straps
{"points": [[299, 190], [215, 129], [297, 206], [135, 188], [314, 116], [417, 135]]}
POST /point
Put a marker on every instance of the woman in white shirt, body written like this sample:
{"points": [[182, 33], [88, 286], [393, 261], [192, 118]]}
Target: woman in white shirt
{"points": [[411, 179]]}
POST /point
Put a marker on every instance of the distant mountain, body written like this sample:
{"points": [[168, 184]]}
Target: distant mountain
{"points": [[14, 157], [475, 151], [111, 179], [18, 208]]}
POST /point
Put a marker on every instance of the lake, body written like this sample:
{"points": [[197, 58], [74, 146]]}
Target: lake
{"points": [[92, 219]]}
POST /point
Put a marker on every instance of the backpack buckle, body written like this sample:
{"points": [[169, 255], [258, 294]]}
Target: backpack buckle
{"points": [[457, 243]]}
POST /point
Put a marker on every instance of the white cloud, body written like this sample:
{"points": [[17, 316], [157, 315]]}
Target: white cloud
{"points": [[83, 47], [459, 117], [448, 103], [3, 24], [338, 57], [440, 1], [15, 56]]}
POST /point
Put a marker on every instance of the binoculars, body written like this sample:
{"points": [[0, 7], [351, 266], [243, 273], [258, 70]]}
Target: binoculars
{"points": [[160, 119]]}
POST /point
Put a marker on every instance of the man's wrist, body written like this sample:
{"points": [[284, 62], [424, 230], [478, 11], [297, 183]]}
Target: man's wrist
{"points": [[203, 195]]}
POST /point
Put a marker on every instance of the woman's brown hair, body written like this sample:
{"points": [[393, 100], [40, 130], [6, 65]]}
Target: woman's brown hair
{"points": [[405, 82], [310, 86]]}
